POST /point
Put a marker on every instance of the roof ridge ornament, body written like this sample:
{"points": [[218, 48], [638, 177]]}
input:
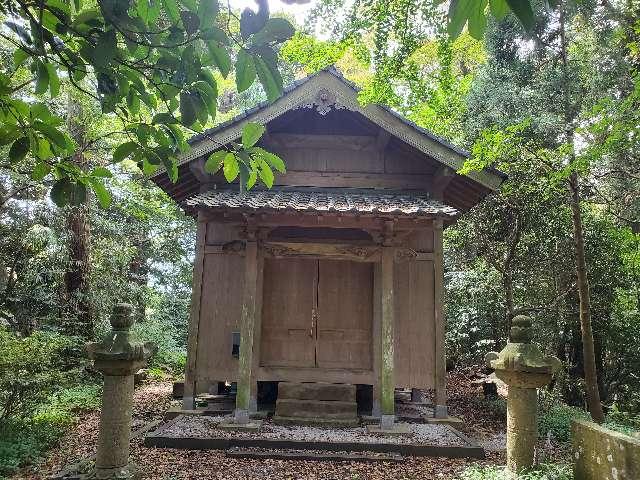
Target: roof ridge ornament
{"points": [[323, 101]]}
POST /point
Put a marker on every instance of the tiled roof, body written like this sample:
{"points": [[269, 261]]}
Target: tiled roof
{"points": [[357, 201]]}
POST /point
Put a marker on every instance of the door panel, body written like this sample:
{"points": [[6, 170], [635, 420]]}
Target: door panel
{"points": [[345, 314], [288, 338]]}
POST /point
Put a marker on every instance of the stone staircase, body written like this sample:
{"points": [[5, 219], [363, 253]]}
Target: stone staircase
{"points": [[325, 404]]}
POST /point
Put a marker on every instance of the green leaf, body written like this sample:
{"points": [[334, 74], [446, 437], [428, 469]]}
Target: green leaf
{"points": [[171, 165], [19, 57], [106, 49], [148, 168], [55, 135], [78, 193], [459, 12], [171, 7], [61, 192], [231, 168], [265, 173], [40, 171], [245, 71], [19, 149], [214, 162], [187, 109], [164, 118], [499, 8], [101, 172], [54, 81], [522, 9], [190, 21], [478, 19], [123, 150], [269, 78], [102, 194], [251, 133], [220, 58], [207, 11], [42, 78], [275, 30], [209, 95], [202, 111], [271, 158]]}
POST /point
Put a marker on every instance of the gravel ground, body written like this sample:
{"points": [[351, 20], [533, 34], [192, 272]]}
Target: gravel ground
{"points": [[152, 400], [207, 426]]}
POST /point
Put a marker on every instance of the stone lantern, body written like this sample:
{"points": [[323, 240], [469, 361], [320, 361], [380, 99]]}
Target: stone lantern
{"points": [[118, 356], [523, 367]]}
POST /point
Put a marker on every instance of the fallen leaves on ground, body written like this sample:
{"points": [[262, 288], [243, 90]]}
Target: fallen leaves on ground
{"points": [[151, 400]]}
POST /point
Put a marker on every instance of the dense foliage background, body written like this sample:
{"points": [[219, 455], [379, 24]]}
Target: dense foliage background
{"points": [[509, 98]]}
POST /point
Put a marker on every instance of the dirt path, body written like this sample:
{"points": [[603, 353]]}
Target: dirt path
{"points": [[152, 400]]}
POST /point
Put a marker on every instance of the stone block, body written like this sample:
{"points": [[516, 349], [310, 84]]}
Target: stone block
{"points": [[316, 409], [602, 454], [317, 391], [397, 430]]}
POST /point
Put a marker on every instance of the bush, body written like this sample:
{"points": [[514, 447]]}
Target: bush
{"points": [[23, 441], [171, 356], [623, 422], [552, 471], [556, 420], [30, 370]]}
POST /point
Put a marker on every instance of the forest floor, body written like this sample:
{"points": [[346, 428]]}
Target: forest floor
{"points": [[483, 421]]}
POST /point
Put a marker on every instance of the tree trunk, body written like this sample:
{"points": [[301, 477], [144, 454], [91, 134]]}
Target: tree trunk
{"points": [[588, 350], [78, 314]]}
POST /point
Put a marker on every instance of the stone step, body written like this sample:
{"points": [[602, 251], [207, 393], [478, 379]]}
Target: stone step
{"points": [[290, 407], [317, 391], [317, 422]]}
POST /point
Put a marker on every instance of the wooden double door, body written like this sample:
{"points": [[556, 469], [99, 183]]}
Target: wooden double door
{"points": [[317, 313]]}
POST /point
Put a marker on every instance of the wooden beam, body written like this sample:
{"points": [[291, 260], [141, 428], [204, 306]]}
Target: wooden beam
{"points": [[358, 253], [387, 381], [247, 328], [441, 180], [377, 342], [440, 410], [307, 219], [257, 334], [194, 317]]}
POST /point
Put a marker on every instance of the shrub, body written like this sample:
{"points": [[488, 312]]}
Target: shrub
{"points": [[551, 471], [29, 371], [171, 356], [556, 420], [623, 422], [23, 441]]}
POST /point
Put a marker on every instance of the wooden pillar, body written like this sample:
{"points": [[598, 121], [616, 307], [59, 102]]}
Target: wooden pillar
{"points": [[247, 327], [377, 344], [387, 381], [257, 332], [440, 407], [194, 317]]}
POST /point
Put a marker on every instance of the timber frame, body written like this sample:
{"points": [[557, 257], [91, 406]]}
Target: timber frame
{"points": [[336, 274]]}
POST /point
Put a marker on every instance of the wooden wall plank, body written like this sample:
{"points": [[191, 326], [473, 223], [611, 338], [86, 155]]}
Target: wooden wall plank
{"points": [[221, 307]]}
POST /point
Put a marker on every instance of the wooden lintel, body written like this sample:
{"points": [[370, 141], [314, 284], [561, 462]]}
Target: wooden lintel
{"points": [[337, 142], [358, 253], [236, 247], [410, 255]]}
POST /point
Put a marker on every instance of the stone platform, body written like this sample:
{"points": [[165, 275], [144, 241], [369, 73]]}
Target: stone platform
{"points": [[204, 433]]}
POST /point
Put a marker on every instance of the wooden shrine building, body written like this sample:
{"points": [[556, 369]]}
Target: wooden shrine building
{"points": [[335, 274]]}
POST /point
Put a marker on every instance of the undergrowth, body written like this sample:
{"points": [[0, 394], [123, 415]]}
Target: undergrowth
{"points": [[23, 440], [550, 471]]}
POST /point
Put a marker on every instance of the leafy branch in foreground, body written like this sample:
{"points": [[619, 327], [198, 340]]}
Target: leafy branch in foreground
{"points": [[151, 65]]}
